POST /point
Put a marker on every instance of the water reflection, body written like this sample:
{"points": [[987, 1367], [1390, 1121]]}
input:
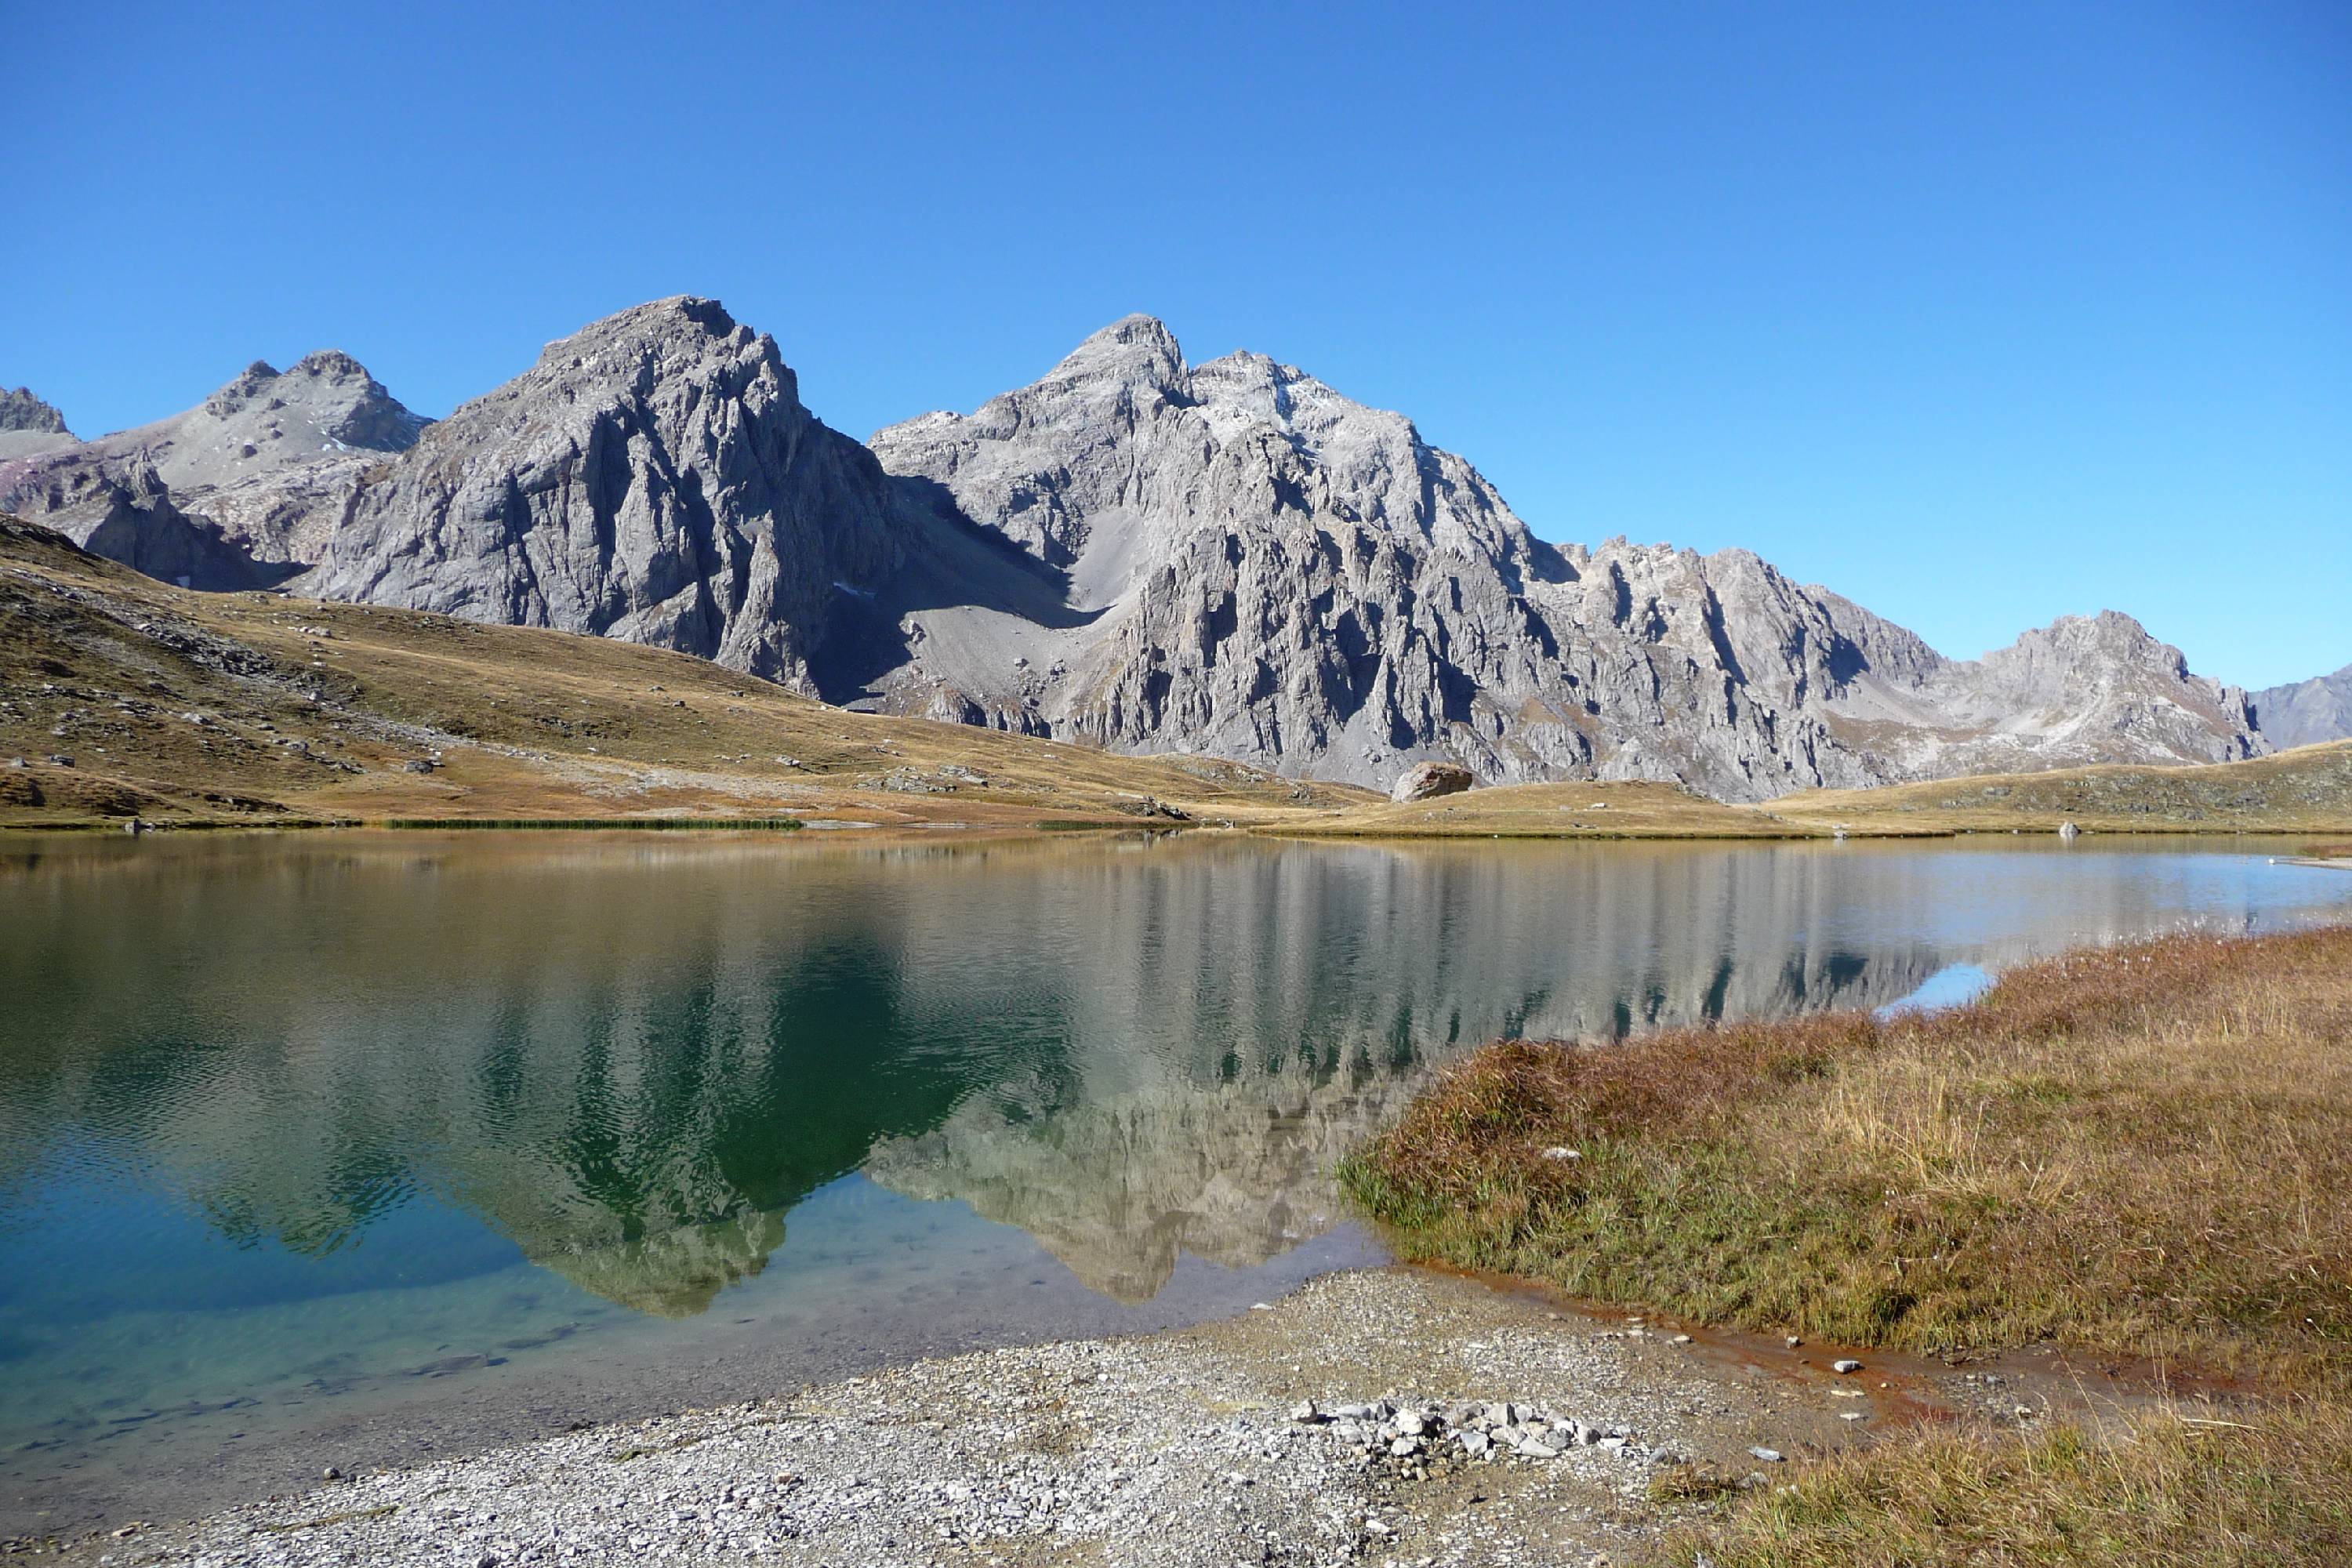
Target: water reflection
{"points": [[633, 1059], [336, 1084]]}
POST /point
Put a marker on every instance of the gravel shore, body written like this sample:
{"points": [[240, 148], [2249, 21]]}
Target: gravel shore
{"points": [[1450, 1422]]}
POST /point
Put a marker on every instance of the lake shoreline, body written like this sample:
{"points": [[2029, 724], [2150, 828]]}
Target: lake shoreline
{"points": [[1107, 1445], [1095, 1137]]}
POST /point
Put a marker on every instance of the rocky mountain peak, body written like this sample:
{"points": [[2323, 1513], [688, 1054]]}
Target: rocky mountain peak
{"points": [[624, 359], [1131, 552], [1134, 352], [653, 478], [681, 318], [20, 410], [326, 398]]}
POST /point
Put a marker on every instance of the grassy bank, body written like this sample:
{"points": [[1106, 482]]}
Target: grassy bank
{"points": [[2171, 1491], [123, 698], [2307, 790], [602, 823], [2143, 1151]]}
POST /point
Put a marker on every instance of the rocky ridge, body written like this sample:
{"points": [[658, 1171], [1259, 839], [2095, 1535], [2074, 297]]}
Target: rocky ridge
{"points": [[1134, 552], [1269, 569], [28, 425], [2306, 712], [243, 488]]}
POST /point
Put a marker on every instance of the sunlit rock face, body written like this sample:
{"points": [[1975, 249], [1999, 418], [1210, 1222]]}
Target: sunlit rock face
{"points": [[653, 478], [1257, 566], [1135, 552], [264, 468]]}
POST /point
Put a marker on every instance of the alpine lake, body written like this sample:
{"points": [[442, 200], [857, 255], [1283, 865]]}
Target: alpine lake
{"points": [[363, 1148]]}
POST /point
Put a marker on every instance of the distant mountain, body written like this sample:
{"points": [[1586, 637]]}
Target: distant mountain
{"points": [[28, 425], [1133, 552], [2307, 711], [264, 467]]}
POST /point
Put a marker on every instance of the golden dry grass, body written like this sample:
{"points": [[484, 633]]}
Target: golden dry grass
{"points": [[2143, 1150], [2175, 1492], [2309, 790], [1552, 811], [105, 666], [2303, 792]]}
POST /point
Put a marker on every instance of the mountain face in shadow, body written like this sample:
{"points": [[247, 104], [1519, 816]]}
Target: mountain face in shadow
{"points": [[2307, 713]]}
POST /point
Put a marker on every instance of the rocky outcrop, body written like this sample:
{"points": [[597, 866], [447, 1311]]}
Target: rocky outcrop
{"points": [[28, 425], [1135, 553], [1427, 780], [1255, 565], [125, 512], [267, 465], [2306, 712], [653, 478]]}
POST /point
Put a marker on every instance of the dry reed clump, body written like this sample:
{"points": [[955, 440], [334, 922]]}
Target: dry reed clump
{"points": [[2275, 1487], [2143, 1148]]}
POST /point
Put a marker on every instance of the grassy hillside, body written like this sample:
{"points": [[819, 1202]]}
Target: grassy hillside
{"points": [[1582, 810], [252, 708], [2309, 790]]}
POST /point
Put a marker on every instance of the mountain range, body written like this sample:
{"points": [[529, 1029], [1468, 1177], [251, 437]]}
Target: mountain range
{"points": [[1133, 552]]}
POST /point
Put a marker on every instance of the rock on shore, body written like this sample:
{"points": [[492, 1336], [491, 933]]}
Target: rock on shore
{"points": [[1375, 1415]]}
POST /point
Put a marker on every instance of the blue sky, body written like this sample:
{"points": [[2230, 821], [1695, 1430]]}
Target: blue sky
{"points": [[1979, 313]]}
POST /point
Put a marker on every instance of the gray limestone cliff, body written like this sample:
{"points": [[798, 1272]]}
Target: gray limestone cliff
{"points": [[1257, 566], [264, 467], [653, 478], [1134, 552], [2306, 712]]}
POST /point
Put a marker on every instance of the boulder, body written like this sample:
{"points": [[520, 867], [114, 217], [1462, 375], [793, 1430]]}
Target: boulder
{"points": [[1427, 780]]}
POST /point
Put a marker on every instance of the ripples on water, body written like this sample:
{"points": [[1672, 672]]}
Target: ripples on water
{"points": [[287, 1121]]}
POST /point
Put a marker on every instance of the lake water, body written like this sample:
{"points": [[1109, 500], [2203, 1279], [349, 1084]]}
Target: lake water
{"points": [[358, 1147]]}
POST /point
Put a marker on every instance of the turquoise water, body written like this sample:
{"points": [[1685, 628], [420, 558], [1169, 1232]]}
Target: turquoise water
{"points": [[367, 1146]]}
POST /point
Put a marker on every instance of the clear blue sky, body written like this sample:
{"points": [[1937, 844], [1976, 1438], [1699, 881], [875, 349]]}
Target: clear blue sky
{"points": [[1981, 313]]}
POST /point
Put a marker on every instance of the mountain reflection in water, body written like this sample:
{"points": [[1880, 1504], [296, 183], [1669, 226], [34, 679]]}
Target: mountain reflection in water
{"points": [[633, 1059]]}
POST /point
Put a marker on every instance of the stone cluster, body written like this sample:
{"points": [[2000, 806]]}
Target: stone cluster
{"points": [[1415, 1432]]}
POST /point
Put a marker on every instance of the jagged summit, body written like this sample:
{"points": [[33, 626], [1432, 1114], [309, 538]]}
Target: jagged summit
{"points": [[261, 465], [654, 477], [1137, 349], [1273, 570], [1132, 551], [20, 410], [28, 425], [327, 395]]}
